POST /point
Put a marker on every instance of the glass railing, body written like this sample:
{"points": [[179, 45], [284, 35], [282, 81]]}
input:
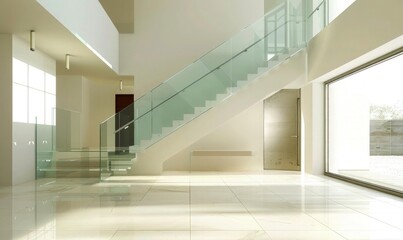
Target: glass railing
{"points": [[60, 151], [316, 18], [214, 77], [116, 136]]}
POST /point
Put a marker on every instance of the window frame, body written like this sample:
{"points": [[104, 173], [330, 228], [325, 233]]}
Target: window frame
{"points": [[384, 58]]}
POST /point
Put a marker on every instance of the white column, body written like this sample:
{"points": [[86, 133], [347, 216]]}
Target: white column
{"points": [[6, 110], [313, 123]]}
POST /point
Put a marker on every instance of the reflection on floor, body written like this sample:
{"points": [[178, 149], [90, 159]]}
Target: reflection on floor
{"points": [[386, 171], [377, 178], [200, 205]]}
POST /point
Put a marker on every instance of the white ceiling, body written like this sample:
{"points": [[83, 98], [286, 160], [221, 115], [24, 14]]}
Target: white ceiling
{"points": [[18, 17]]}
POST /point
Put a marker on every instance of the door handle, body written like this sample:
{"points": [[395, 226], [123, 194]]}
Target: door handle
{"points": [[294, 136]]}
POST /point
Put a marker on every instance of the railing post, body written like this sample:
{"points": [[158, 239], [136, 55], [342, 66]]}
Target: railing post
{"points": [[287, 24]]}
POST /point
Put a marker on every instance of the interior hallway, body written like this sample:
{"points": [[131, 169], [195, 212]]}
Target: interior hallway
{"points": [[201, 205]]}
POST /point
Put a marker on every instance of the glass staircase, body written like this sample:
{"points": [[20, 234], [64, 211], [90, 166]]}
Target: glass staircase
{"points": [[213, 78], [59, 149], [205, 83]]}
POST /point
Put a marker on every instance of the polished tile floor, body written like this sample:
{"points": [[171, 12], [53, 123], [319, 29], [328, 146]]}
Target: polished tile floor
{"points": [[201, 205]]}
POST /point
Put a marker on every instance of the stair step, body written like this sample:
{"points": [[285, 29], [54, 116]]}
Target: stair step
{"points": [[70, 173], [121, 163], [219, 97], [187, 117], [69, 169], [120, 173]]}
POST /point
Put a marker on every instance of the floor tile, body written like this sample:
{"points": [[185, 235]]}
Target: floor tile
{"points": [[349, 220], [229, 235], [151, 235], [290, 221], [304, 235], [199, 205], [372, 235]]}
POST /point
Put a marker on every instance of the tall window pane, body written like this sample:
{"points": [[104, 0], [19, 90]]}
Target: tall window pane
{"points": [[34, 94], [50, 82], [50, 102], [20, 72], [365, 125], [20, 103], [36, 106], [36, 78]]}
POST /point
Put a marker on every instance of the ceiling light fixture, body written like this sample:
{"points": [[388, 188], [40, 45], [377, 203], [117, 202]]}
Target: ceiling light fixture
{"points": [[32, 40], [67, 61]]}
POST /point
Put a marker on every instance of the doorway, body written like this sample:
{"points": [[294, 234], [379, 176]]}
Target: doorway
{"points": [[124, 125], [282, 131]]}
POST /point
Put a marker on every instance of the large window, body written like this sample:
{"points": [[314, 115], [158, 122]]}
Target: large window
{"points": [[34, 94], [365, 125]]}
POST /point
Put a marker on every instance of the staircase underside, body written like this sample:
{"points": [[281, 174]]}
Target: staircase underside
{"points": [[150, 161]]}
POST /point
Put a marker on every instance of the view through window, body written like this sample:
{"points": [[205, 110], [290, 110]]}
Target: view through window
{"points": [[34, 94], [365, 125]]}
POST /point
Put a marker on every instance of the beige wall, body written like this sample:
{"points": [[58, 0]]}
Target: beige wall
{"points": [[102, 103], [242, 133], [70, 102], [354, 38], [69, 92], [94, 101], [270, 4], [6, 110], [172, 34]]}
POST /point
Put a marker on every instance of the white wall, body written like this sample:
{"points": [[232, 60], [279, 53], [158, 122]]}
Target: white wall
{"points": [[313, 125], [88, 21], [6, 110], [172, 34], [371, 24], [242, 133]]}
